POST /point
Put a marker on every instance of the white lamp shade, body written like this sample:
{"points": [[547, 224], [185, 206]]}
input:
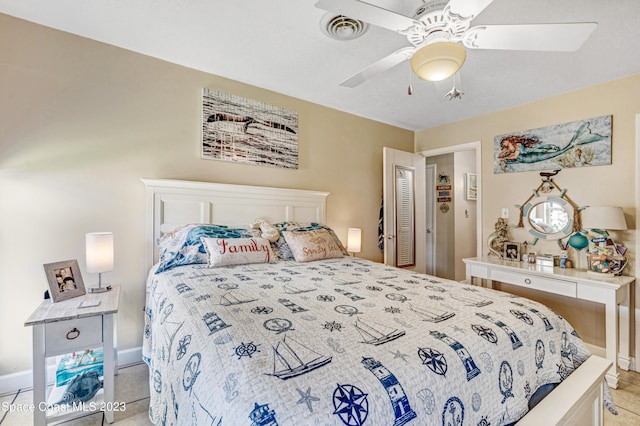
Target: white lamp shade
{"points": [[99, 248], [437, 61], [354, 240], [603, 217]]}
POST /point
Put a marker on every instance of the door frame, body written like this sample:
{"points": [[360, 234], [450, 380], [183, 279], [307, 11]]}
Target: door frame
{"points": [[635, 365], [477, 147], [430, 209]]}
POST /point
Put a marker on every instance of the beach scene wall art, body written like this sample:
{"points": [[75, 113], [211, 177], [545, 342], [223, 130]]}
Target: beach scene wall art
{"points": [[576, 144], [247, 131]]}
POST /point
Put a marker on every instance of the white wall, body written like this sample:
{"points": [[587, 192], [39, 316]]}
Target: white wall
{"points": [[465, 234]]}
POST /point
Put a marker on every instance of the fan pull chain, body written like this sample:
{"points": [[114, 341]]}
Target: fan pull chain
{"points": [[410, 89]]}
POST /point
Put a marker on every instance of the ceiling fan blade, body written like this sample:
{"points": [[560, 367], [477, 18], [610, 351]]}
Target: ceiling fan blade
{"points": [[379, 67], [369, 13], [468, 8], [541, 37]]}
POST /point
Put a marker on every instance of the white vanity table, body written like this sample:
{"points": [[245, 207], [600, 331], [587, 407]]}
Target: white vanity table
{"points": [[575, 283]]}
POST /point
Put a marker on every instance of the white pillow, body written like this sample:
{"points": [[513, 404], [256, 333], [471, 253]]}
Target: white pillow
{"points": [[237, 251]]}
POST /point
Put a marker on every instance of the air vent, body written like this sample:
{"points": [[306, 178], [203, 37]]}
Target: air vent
{"points": [[340, 27]]}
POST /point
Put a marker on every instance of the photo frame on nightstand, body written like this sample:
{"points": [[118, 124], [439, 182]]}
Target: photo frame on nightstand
{"points": [[65, 280]]}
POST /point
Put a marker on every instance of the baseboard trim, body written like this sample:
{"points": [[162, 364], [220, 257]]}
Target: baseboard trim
{"points": [[596, 350], [601, 352], [11, 383]]}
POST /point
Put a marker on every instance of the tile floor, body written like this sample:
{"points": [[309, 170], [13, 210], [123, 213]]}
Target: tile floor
{"points": [[132, 388]]}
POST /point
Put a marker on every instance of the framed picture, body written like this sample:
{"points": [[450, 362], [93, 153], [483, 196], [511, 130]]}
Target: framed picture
{"points": [[65, 281], [471, 186], [512, 251]]}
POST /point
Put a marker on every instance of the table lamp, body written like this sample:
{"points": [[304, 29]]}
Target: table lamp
{"points": [[99, 251], [354, 240]]}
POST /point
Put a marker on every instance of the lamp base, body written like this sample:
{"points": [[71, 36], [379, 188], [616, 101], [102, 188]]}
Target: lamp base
{"points": [[99, 289]]}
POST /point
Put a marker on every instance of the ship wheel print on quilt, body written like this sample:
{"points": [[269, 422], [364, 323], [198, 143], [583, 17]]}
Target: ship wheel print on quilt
{"points": [[262, 310], [350, 404], [246, 349]]}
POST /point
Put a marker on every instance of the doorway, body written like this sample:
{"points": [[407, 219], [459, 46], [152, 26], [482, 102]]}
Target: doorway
{"points": [[457, 222]]}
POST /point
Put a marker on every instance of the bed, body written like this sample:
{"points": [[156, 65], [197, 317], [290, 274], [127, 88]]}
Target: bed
{"points": [[338, 340]]}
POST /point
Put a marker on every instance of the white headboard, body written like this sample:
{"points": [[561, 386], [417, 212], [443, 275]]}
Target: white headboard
{"points": [[171, 203]]}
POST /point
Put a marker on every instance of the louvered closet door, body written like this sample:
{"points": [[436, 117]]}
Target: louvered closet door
{"points": [[405, 216], [404, 209]]}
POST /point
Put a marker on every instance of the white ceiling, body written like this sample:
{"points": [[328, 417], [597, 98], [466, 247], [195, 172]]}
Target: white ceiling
{"points": [[278, 45]]}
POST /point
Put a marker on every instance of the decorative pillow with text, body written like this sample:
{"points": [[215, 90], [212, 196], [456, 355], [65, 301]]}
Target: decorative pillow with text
{"points": [[237, 251], [312, 245], [182, 246], [282, 249]]}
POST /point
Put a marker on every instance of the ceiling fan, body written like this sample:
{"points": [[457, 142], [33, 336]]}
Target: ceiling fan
{"points": [[439, 30]]}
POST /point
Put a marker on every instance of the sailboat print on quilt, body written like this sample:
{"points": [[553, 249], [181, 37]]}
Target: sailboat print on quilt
{"points": [[291, 358], [377, 334]]}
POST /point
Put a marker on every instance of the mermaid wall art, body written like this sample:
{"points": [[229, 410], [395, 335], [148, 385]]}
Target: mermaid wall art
{"points": [[576, 144]]}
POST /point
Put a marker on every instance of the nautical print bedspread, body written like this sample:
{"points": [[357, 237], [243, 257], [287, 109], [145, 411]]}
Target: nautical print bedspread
{"points": [[345, 342]]}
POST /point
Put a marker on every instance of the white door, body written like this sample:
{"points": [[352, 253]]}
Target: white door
{"points": [[404, 226]]}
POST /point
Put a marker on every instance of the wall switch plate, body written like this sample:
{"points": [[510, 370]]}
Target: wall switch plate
{"points": [[505, 213]]}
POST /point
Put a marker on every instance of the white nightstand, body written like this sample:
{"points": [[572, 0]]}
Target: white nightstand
{"points": [[63, 327]]}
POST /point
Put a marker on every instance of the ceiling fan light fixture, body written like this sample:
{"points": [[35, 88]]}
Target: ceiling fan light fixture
{"points": [[438, 61]]}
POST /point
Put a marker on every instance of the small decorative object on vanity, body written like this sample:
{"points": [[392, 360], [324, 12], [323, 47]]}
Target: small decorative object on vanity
{"points": [[606, 258], [99, 247], [547, 260], [497, 239]]}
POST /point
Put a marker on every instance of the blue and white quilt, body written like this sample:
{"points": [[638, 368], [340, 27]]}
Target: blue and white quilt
{"points": [[345, 342]]}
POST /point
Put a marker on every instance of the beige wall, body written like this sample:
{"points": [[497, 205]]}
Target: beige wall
{"points": [[81, 122], [603, 185], [464, 212]]}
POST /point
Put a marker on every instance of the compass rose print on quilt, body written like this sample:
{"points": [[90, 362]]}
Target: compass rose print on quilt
{"points": [[344, 341]]}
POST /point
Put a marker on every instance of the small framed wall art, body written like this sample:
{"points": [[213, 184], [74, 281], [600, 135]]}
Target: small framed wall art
{"points": [[471, 186], [65, 280]]}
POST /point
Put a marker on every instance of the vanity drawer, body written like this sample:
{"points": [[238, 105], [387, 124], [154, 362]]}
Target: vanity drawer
{"points": [[74, 334], [478, 271], [562, 287]]}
